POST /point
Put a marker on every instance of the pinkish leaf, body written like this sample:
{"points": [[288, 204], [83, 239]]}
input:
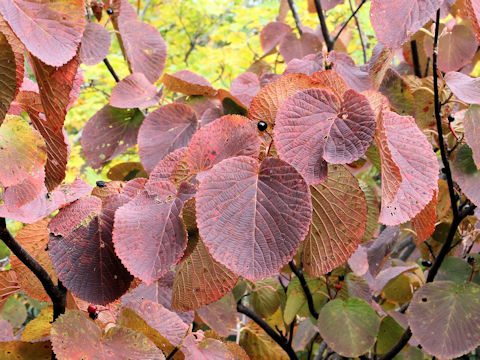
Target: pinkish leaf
{"points": [[81, 249], [396, 22], [46, 203], [134, 91], [314, 126], [245, 87], [159, 292], [464, 87], [207, 349], [166, 322], [473, 11], [466, 173], [471, 123], [356, 77], [456, 47], [8, 73], [75, 336], [200, 279], [50, 30], [384, 276], [110, 132], [166, 129], [258, 232], [6, 331], [95, 44], [307, 65], [221, 315], [188, 83], [292, 47], [161, 243], [272, 34], [338, 222], [164, 169]]}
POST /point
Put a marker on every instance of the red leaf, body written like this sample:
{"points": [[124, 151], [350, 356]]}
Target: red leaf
{"points": [[95, 44], [166, 322], [471, 122], [208, 146], [252, 216], [314, 126], [409, 168], [332, 81], [149, 254], [200, 279], [81, 249], [265, 104], [159, 292], [110, 132], [356, 77], [395, 22], [424, 222], [464, 87], [50, 29], [272, 34], [46, 203], [8, 286], [338, 222], [207, 349], [163, 171], [292, 47], [8, 72], [74, 336], [134, 91], [456, 47], [245, 87], [166, 129], [188, 83], [307, 65]]}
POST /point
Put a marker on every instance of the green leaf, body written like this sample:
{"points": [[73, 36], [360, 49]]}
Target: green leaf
{"points": [[349, 327], [265, 298]]}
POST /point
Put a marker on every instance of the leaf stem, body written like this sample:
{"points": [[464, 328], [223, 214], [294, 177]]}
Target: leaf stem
{"points": [[111, 69], [308, 294], [280, 340], [293, 9], [323, 25]]}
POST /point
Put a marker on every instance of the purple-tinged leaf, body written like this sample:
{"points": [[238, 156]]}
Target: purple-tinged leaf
{"points": [[272, 34], [292, 47], [134, 91], [307, 65], [245, 87], [471, 123], [464, 87], [356, 77], [95, 44]]}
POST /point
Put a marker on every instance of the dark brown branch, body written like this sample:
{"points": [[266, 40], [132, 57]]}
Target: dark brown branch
{"points": [[280, 340], [323, 25], [170, 356], [416, 61], [354, 13], [457, 216], [293, 9], [299, 273], [110, 68]]}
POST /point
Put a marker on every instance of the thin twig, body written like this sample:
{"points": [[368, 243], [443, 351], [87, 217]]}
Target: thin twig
{"points": [[110, 68], [299, 273], [354, 13], [430, 249], [145, 8], [280, 340], [416, 61], [293, 9], [321, 349], [360, 32], [170, 356], [323, 25]]}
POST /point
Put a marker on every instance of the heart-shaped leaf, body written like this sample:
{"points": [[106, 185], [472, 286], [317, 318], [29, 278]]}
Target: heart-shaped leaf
{"points": [[134, 91], [95, 44], [292, 47], [252, 216], [245, 86], [272, 34]]}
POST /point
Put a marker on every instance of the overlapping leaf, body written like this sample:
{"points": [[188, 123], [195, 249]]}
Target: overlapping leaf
{"points": [[74, 336], [292, 47], [208, 349], [50, 30], [8, 74], [349, 327], [314, 126], [464, 87], [188, 83], [200, 279], [265, 104], [466, 173], [307, 65], [166, 129], [95, 44], [272, 34], [252, 216], [357, 78], [473, 11], [9, 286], [450, 311], [245, 86], [151, 253], [409, 168], [424, 222], [110, 132], [89, 268], [338, 222], [471, 123], [394, 23], [220, 315], [134, 91]]}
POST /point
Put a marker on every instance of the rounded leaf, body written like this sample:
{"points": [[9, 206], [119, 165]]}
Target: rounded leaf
{"points": [[95, 44], [252, 216], [464, 87], [471, 123], [314, 126], [272, 34], [292, 47], [166, 129], [348, 327], [188, 83], [338, 222], [444, 317], [134, 91]]}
